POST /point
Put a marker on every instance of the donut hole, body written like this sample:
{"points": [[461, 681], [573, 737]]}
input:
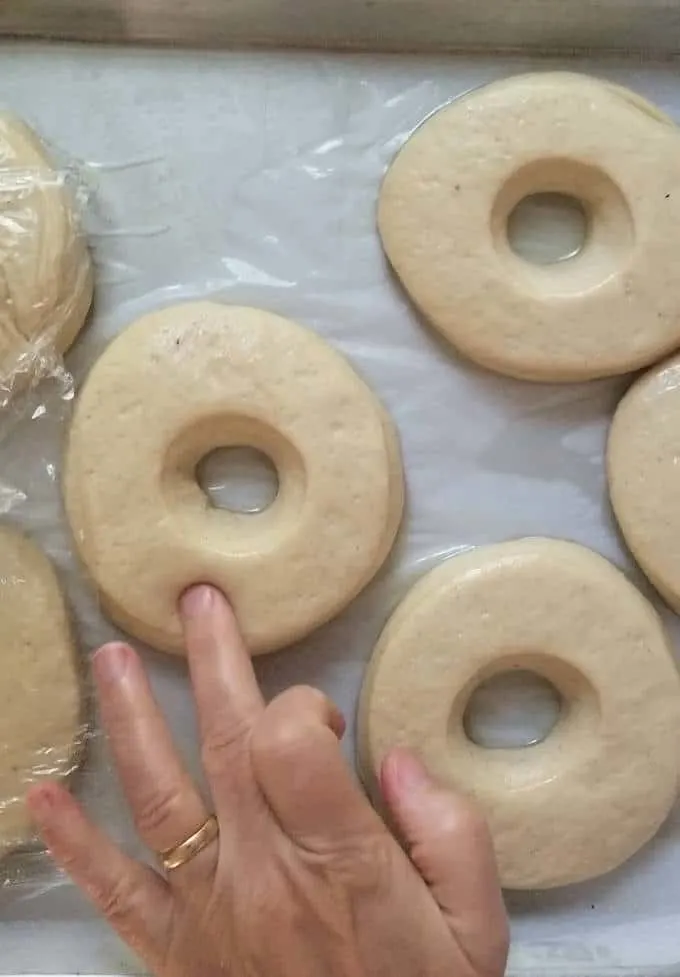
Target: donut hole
{"points": [[240, 474], [239, 478], [512, 709], [545, 228], [582, 215], [560, 727]]}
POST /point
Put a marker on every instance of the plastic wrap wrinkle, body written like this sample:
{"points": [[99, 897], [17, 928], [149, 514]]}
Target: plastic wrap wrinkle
{"points": [[45, 293], [253, 179]]}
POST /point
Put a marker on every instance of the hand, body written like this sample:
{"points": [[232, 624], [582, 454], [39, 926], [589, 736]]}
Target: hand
{"points": [[304, 879]]}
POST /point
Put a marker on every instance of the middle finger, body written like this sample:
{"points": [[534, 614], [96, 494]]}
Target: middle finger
{"points": [[227, 694], [165, 804]]}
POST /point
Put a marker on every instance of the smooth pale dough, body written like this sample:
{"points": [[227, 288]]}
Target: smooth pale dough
{"points": [[183, 381], [602, 782], [41, 712], [45, 269], [643, 464], [444, 208]]}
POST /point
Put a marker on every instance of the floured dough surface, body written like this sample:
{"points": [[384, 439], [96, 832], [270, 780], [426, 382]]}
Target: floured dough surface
{"points": [[41, 713], [176, 385], [45, 269], [643, 463], [444, 209], [599, 786]]}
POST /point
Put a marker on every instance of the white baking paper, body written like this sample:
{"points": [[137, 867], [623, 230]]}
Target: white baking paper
{"points": [[253, 179]]}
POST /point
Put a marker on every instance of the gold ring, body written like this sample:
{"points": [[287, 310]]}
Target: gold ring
{"points": [[192, 846]]}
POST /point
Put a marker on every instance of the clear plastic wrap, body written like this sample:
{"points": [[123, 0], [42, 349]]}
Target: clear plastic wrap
{"points": [[253, 179], [45, 295], [43, 703], [46, 280]]}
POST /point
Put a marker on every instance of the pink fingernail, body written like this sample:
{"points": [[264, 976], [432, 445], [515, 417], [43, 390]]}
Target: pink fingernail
{"points": [[197, 600], [110, 662]]}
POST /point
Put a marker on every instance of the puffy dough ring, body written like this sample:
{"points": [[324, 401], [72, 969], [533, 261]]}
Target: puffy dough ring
{"points": [[45, 269], [445, 205], [184, 381], [644, 475], [599, 786], [41, 714]]}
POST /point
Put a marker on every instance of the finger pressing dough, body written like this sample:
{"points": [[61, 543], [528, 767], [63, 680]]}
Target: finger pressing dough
{"points": [[447, 198], [45, 270], [40, 685], [184, 381], [601, 783], [643, 462]]}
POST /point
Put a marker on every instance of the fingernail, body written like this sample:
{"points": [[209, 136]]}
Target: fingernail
{"points": [[409, 772], [110, 662], [197, 600]]}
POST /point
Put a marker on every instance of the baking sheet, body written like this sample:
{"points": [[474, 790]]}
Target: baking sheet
{"points": [[253, 178], [404, 25]]}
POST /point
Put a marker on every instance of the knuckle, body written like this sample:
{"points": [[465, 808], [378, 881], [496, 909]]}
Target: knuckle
{"points": [[117, 901], [305, 696], [282, 741], [221, 742], [307, 705], [300, 704], [157, 810], [364, 862]]}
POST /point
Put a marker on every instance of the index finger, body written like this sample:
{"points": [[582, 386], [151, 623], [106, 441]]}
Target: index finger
{"points": [[227, 694]]}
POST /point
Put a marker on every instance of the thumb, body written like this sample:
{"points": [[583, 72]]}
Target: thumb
{"points": [[450, 845]]}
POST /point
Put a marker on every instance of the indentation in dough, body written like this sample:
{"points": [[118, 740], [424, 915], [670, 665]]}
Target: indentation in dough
{"points": [[184, 381]]}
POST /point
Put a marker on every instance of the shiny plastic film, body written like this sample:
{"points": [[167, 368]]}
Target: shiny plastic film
{"points": [[43, 714], [252, 180], [46, 276], [46, 288]]}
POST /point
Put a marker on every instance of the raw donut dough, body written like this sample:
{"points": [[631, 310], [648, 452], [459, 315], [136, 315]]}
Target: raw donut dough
{"points": [[602, 782], [643, 462], [41, 715], [45, 270], [445, 204], [181, 382]]}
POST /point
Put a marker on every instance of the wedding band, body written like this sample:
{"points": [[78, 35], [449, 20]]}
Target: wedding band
{"points": [[192, 846]]}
